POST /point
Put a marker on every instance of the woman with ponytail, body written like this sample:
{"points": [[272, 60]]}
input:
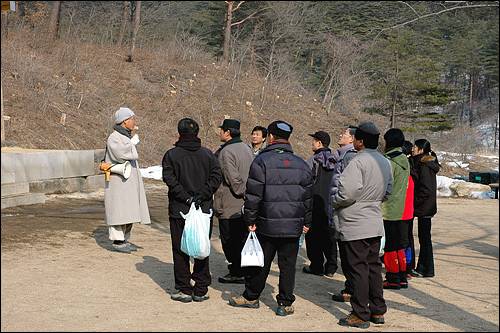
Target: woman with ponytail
{"points": [[425, 168]]}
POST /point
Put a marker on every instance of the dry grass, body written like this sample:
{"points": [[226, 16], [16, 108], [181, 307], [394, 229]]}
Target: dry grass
{"points": [[88, 82]]}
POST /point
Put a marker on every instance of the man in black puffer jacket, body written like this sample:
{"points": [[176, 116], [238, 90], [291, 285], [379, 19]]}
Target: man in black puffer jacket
{"points": [[278, 204]]}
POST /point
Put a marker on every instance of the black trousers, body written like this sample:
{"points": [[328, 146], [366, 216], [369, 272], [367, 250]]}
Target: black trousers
{"points": [[182, 271], [233, 234], [365, 270], [255, 281], [348, 288], [425, 263], [321, 247]]}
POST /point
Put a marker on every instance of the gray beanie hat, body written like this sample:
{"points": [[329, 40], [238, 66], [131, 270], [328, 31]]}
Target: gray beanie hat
{"points": [[123, 114]]}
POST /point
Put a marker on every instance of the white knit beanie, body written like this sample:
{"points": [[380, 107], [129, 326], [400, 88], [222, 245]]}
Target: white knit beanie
{"points": [[123, 114]]}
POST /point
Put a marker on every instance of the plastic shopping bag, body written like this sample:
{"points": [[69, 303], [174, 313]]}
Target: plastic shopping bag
{"points": [[301, 240], [382, 245], [195, 241], [252, 254]]}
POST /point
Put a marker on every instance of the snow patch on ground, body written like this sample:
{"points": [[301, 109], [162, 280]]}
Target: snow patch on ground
{"points": [[153, 172]]}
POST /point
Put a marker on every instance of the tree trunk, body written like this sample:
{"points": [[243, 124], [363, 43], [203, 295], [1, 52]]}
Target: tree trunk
{"points": [[54, 19], [393, 115], [125, 16], [471, 115], [494, 141], [227, 31], [3, 126], [137, 21]]}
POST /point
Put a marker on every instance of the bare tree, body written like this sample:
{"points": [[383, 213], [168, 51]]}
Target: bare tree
{"points": [[54, 19], [125, 16], [137, 21]]}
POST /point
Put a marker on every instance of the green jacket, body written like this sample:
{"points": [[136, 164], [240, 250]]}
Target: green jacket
{"points": [[393, 207]]}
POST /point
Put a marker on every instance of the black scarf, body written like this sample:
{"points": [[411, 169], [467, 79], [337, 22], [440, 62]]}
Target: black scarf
{"points": [[123, 131]]}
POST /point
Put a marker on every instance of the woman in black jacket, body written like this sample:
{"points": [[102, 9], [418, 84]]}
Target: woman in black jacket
{"points": [[425, 168]]}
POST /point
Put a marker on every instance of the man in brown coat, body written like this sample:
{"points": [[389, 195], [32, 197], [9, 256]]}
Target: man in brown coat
{"points": [[235, 158]]}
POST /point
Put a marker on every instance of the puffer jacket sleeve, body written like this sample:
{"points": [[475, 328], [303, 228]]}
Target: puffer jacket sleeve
{"points": [[254, 191], [350, 185], [308, 201]]}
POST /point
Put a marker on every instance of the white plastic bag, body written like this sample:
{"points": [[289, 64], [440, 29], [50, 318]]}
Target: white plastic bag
{"points": [[382, 245], [195, 241], [301, 240], [252, 254]]}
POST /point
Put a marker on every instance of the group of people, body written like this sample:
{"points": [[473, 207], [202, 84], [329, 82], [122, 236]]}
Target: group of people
{"points": [[348, 198]]}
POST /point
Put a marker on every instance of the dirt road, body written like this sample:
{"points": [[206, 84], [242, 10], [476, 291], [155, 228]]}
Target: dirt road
{"points": [[59, 274]]}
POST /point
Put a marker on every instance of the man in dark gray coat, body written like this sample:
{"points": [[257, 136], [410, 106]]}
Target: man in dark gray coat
{"points": [[278, 207], [234, 158], [364, 184]]}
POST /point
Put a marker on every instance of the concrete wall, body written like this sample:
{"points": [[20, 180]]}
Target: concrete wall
{"points": [[27, 175]]}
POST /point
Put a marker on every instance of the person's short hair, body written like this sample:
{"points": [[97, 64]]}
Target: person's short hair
{"points": [[407, 146], [394, 138], [188, 126], [234, 132], [262, 129], [351, 129], [322, 137], [280, 129], [369, 133]]}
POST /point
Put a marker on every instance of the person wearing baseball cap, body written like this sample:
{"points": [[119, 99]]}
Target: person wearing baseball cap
{"points": [[234, 158], [278, 208], [320, 240], [124, 198], [365, 183]]}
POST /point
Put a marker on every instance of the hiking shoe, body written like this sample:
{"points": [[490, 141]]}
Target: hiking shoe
{"points": [[354, 321], [228, 278], [200, 298], [391, 285], [415, 273], [377, 319], [307, 270], [284, 310], [242, 302], [342, 297], [124, 248], [181, 297], [132, 246]]}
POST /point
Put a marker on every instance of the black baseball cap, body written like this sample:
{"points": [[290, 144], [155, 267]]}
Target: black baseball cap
{"points": [[323, 137], [230, 123]]}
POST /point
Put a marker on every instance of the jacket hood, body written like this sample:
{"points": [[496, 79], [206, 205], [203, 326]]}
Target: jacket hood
{"points": [[430, 161], [324, 158]]}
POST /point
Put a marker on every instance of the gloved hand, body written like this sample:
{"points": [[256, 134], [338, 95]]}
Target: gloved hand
{"points": [[196, 199]]}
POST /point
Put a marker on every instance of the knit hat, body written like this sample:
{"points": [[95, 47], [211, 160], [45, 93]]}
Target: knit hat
{"points": [[123, 114], [280, 129]]}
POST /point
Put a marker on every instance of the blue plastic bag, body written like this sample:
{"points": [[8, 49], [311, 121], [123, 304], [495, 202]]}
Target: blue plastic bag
{"points": [[195, 241]]}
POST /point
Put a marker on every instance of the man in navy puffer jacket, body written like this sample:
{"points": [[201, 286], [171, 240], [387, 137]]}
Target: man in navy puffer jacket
{"points": [[278, 203]]}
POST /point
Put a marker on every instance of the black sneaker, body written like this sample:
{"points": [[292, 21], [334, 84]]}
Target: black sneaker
{"points": [[343, 296], [228, 278], [377, 319], [284, 310], [415, 273], [307, 270]]}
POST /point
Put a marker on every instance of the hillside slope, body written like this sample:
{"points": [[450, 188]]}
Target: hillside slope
{"points": [[43, 82]]}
